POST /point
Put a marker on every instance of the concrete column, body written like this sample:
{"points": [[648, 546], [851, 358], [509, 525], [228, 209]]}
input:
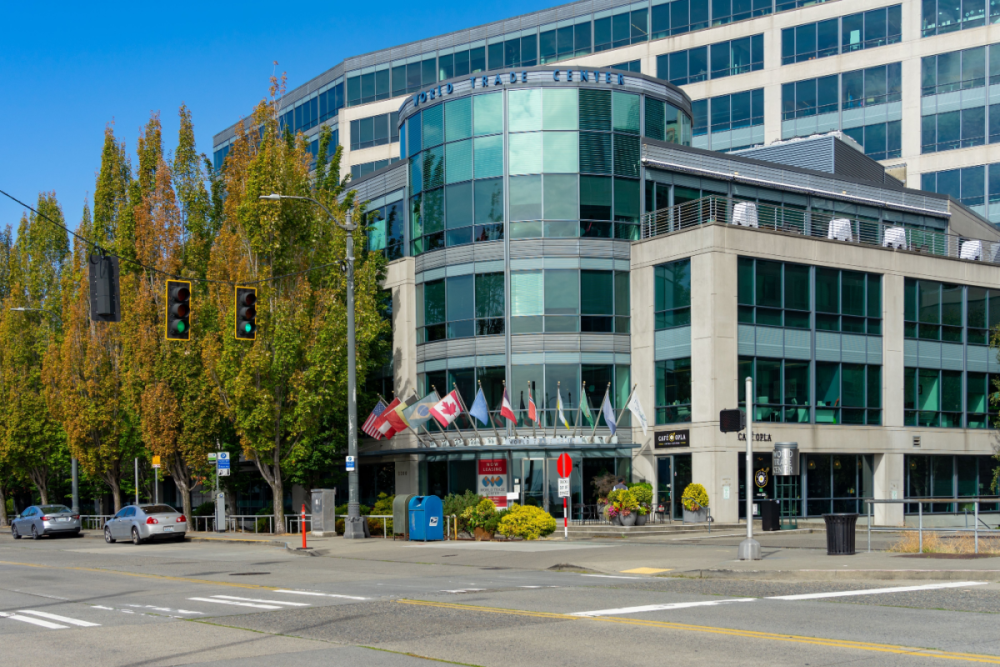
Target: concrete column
{"points": [[892, 350], [713, 334], [889, 484], [715, 470], [406, 476], [642, 293]]}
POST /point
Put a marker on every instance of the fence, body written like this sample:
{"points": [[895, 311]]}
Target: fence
{"points": [[920, 502], [816, 224], [94, 521]]}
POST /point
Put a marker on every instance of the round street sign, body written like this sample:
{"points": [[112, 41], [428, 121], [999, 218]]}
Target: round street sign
{"points": [[565, 465]]}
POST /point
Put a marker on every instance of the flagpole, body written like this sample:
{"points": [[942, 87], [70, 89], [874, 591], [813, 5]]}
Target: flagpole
{"points": [[579, 408], [514, 423], [555, 422], [625, 406], [419, 439], [472, 419], [531, 401], [600, 411], [444, 431], [424, 426], [489, 416]]}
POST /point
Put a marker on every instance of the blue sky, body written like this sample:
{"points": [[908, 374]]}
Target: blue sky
{"points": [[69, 69]]}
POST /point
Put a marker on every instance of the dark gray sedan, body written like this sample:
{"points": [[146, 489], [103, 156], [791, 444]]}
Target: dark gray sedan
{"points": [[145, 522], [39, 520]]}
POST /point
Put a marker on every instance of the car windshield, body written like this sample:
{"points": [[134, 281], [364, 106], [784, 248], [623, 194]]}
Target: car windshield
{"points": [[159, 509], [54, 509]]}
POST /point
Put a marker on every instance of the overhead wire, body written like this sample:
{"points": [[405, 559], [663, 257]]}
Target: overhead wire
{"points": [[153, 269]]}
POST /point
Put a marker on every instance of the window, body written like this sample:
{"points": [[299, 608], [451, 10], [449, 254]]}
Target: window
{"points": [[673, 391], [385, 223], [568, 300], [730, 112], [933, 311], [810, 97], [953, 129], [630, 66], [673, 294], [866, 30], [848, 301], [836, 482], [968, 185], [365, 168], [786, 5], [773, 293], [872, 86], [727, 11], [810, 41], [621, 29], [881, 141], [567, 39], [716, 61], [958, 70], [845, 393], [939, 17], [460, 307], [932, 397], [980, 411]]}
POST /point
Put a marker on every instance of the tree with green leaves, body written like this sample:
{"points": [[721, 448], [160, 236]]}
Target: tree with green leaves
{"points": [[32, 441], [279, 389]]}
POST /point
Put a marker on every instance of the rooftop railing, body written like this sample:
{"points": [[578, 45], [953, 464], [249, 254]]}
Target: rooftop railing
{"points": [[816, 224]]}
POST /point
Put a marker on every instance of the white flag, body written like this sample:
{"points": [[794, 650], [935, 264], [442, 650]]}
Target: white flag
{"points": [[636, 409]]}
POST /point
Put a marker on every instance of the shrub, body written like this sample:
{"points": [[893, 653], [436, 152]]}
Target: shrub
{"points": [[456, 504], [694, 497], [643, 492], [603, 484], [382, 506], [527, 522], [205, 509], [480, 516]]}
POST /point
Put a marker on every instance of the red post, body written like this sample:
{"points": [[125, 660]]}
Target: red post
{"points": [[303, 525], [565, 520]]}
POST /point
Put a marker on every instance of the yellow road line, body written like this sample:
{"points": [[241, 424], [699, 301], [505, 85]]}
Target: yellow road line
{"points": [[142, 575], [749, 634]]}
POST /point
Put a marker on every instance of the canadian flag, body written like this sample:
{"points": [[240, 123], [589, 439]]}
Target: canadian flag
{"points": [[446, 410]]}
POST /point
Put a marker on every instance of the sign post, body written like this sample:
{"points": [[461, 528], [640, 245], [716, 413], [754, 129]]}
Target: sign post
{"points": [[749, 548], [222, 463], [156, 480], [564, 466]]}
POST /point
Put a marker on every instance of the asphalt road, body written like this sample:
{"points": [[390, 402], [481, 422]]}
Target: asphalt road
{"points": [[82, 602]]}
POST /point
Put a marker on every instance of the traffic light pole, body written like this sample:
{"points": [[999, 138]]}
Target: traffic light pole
{"points": [[749, 548]]}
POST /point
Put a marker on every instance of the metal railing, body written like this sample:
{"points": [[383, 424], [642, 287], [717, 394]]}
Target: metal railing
{"points": [[920, 502], [816, 224], [94, 521]]}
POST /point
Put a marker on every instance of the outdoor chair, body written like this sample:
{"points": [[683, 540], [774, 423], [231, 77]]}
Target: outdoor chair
{"points": [[840, 230], [895, 237], [745, 214]]}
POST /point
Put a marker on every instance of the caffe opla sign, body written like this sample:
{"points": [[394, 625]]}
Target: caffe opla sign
{"points": [[491, 480]]}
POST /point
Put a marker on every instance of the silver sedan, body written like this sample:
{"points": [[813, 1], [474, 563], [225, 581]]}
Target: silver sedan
{"points": [[39, 520], [145, 522]]}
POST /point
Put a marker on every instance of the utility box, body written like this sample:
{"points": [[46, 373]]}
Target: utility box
{"points": [[426, 518], [401, 515], [324, 504], [220, 512]]}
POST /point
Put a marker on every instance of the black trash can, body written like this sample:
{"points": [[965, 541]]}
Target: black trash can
{"points": [[840, 534], [770, 515]]}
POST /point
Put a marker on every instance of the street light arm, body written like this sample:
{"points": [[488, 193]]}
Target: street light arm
{"points": [[276, 197], [36, 310]]}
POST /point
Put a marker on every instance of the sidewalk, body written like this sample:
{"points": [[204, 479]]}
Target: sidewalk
{"points": [[788, 555]]}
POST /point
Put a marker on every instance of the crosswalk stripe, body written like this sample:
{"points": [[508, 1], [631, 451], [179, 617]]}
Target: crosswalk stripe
{"points": [[33, 621], [325, 595], [61, 619], [237, 604], [290, 604]]}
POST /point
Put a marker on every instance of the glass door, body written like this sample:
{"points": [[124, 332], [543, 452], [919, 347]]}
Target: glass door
{"points": [[533, 483], [682, 477], [664, 485]]}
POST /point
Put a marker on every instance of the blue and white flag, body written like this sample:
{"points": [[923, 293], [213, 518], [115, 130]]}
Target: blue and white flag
{"points": [[479, 409], [609, 414]]}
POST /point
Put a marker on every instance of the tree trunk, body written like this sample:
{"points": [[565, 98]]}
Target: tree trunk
{"points": [[3, 507], [40, 478], [273, 478], [183, 482], [116, 490]]}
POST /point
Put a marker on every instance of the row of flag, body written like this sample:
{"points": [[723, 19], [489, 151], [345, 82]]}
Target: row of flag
{"points": [[388, 419]]}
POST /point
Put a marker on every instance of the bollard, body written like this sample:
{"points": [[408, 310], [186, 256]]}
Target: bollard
{"points": [[303, 525]]}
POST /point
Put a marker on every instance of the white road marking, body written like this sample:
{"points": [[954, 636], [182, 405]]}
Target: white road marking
{"points": [[238, 604], [465, 590], [290, 604], [608, 576], [97, 606], [61, 619], [167, 610], [326, 595], [33, 621], [658, 607], [878, 591]]}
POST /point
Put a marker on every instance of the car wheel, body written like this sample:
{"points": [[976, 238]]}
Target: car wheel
{"points": [[179, 538], [107, 536], [78, 533], [14, 533], [34, 533], [135, 536]]}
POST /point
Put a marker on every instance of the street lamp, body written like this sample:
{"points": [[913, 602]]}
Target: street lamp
{"points": [[353, 527], [73, 461]]}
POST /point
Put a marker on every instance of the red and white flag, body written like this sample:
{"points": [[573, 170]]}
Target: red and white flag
{"points": [[532, 411], [383, 425], [447, 409], [505, 408]]}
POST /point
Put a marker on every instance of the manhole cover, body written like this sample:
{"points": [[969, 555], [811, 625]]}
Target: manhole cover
{"points": [[246, 574]]}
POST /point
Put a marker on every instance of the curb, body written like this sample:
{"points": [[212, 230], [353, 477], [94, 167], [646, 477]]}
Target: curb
{"points": [[840, 575], [228, 540]]}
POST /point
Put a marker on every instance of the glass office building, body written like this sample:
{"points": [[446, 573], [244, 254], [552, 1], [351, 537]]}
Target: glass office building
{"points": [[587, 201]]}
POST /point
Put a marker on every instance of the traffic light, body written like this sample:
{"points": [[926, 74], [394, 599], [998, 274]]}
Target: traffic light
{"points": [[246, 313], [104, 303], [731, 421], [178, 310]]}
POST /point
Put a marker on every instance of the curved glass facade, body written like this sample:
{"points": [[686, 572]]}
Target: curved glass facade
{"points": [[554, 162]]}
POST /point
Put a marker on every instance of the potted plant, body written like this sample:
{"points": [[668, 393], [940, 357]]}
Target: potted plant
{"points": [[482, 519], [626, 507], [643, 492], [695, 502]]}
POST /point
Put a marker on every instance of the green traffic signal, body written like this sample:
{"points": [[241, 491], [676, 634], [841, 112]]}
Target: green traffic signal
{"points": [[178, 309], [246, 313]]}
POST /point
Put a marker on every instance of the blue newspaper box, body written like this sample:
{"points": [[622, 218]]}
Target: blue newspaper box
{"points": [[426, 518]]}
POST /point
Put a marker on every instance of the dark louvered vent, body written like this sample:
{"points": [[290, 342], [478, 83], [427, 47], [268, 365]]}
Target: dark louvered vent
{"points": [[595, 110]]}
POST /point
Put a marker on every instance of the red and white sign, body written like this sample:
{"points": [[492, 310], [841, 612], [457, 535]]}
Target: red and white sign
{"points": [[446, 410], [564, 466], [492, 480]]}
